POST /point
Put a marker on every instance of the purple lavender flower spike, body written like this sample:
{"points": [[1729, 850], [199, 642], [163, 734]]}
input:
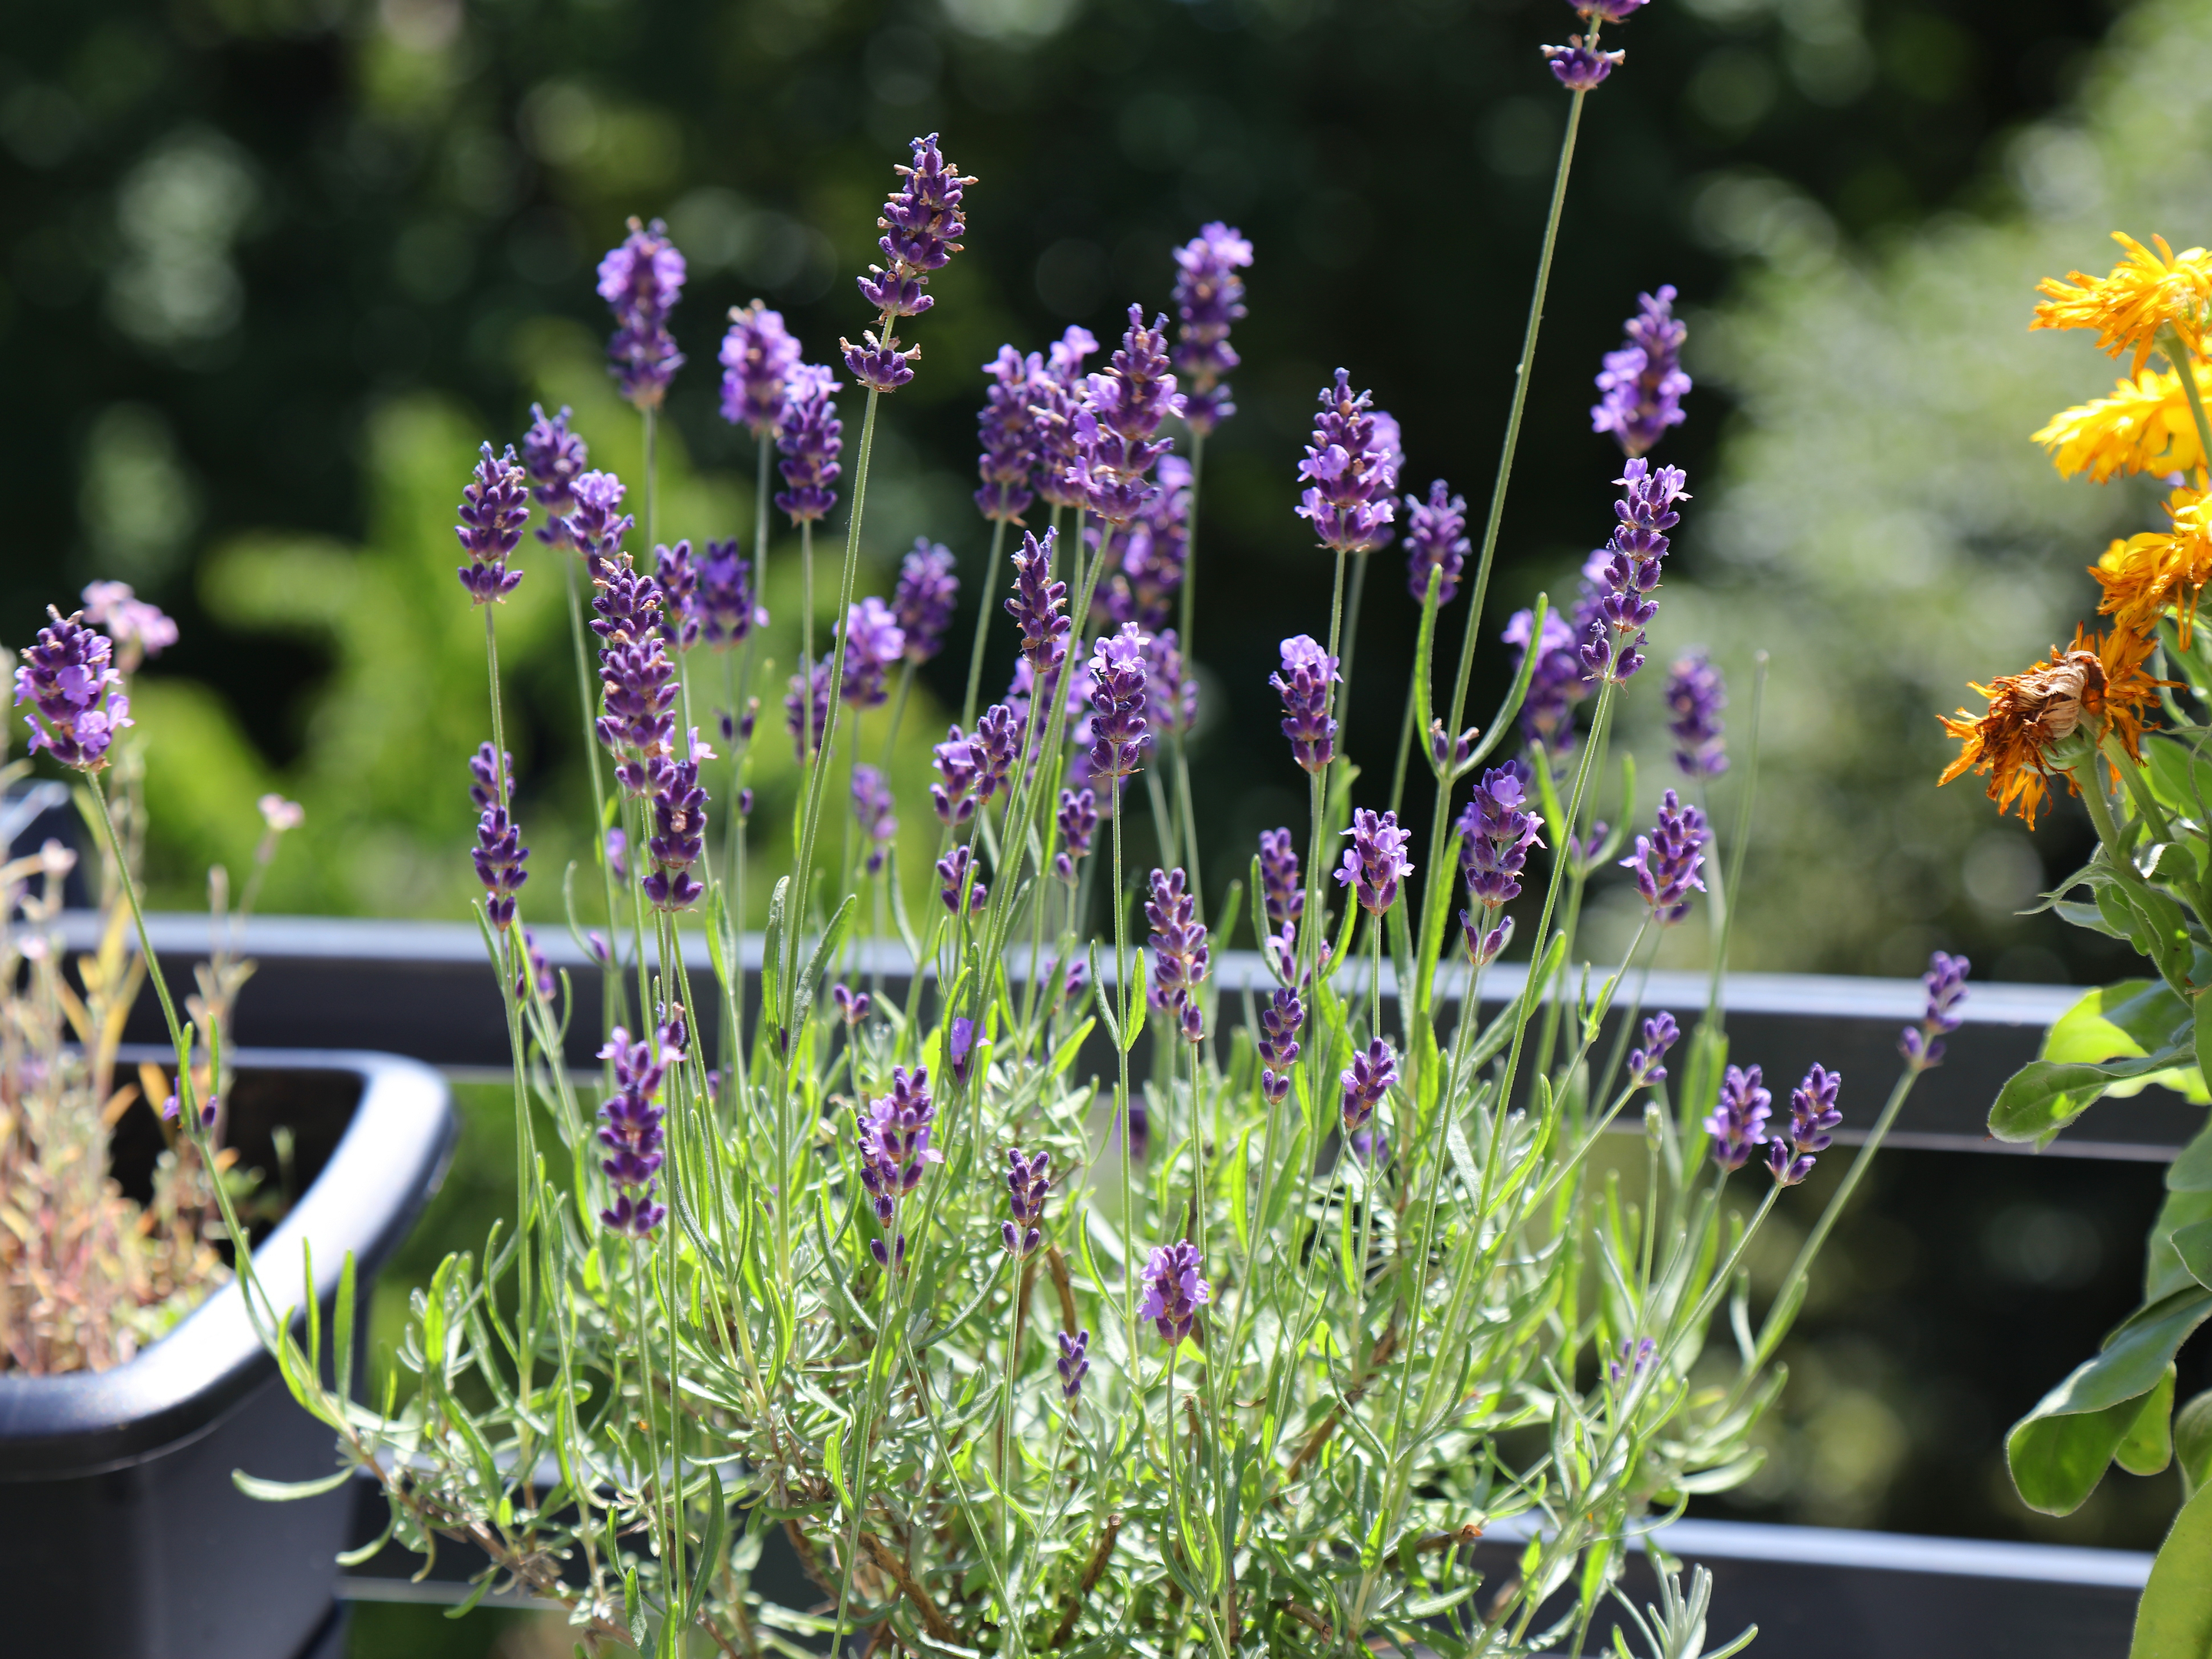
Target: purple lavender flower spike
{"points": [[1436, 540], [1171, 694], [1008, 429], [1078, 822], [893, 1136], [1037, 605], [679, 832], [1283, 893], [495, 506], [1579, 66], [921, 224], [75, 693], [555, 458], [616, 843], [640, 279], [1496, 832], [960, 1048], [724, 603], [1636, 1356], [1375, 862], [757, 356], [956, 870], [1641, 387], [997, 744], [637, 681], [1280, 1018], [1660, 1034], [959, 764], [872, 805], [811, 436], [873, 642], [1209, 295], [1738, 1120], [1057, 394], [1148, 558], [1174, 1291], [1073, 1363], [1696, 693], [1449, 753], [1548, 712], [1119, 737], [1307, 673], [852, 1005], [1366, 1082], [677, 576], [1028, 1181], [1486, 940], [1180, 955], [631, 1130], [138, 628], [1631, 564], [1117, 423], [499, 855], [593, 526], [924, 598], [536, 977], [807, 723], [1667, 860], [1946, 980], [1814, 1118], [1350, 471]]}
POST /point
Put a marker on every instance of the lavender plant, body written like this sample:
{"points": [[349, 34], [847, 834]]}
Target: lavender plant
{"points": [[1338, 1281]]}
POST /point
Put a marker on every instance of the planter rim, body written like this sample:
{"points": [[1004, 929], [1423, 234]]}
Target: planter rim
{"points": [[390, 1159]]}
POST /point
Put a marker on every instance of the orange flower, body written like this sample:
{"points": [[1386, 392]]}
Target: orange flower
{"points": [[2144, 575], [2145, 426], [2145, 292], [2098, 684]]}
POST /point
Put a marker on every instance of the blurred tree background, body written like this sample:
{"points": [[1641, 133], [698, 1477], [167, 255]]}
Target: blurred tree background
{"points": [[274, 266]]}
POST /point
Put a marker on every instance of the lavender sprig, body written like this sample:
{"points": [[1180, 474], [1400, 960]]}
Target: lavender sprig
{"points": [[1058, 397], [1366, 1082], [1008, 427], [921, 224], [924, 599], [872, 805], [1946, 980], [1174, 1291], [810, 437], [1435, 541], [1642, 385], [1376, 862], [1814, 1118], [1118, 420], [76, 692], [1667, 861], [723, 602], [495, 506], [1351, 468], [641, 278], [1303, 682], [555, 458], [1696, 693], [1209, 295], [631, 1130], [1738, 1121], [1028, 1181], [757, 356], [1181, 953]]}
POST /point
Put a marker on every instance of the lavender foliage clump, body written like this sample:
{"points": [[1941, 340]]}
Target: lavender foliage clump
{"points": [[641, 278], [1209, 295], [1642, 385]]}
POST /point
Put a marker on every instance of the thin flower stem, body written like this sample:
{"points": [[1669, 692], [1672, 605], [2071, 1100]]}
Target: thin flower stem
{"points": [[1343, 709], [1127, 1151], [2184, 370], [1724, 893]]}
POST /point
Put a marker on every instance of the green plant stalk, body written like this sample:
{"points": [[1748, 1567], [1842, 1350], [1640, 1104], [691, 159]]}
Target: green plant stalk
{"points": [[1343, 709]]}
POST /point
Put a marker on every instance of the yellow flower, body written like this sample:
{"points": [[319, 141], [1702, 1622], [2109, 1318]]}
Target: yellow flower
{"points": [[2145, 426], [2145, 292], [2096, 683], [2144, 575]]}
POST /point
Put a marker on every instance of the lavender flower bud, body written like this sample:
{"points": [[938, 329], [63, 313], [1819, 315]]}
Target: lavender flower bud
{"points": [[1180, 955], [1667, 860], [894, 1148], [1631, 570], [640, 279], [1057, 397], [1636, 1356], [924, 598], [873, 642], [1375, 862], [1028, 1181], [75, 693], [679, 833], [1496, 832], [1660, 1034], [1350, 471], [1148, 558], [593, 527], [1579, 67], [495, 506], [1548, 712], [810, 437], [677, 578], [1170, 694], [757, 356], [959, 764], [997, 744], [1037, 606], [1008, 429], [138, 628], [1307, 673], [852, 1005], [724, 604], [1813, 1120], [1073, 1363], [1738, 1121], [1369, 1077], [872, 805], [1696, 693], [1119, 413], [1119, 738], [555, 458], [807, 718], [1283, 892], [1174, 1291], [1209, 295], [956, 871], [631, 1130], [1280, 1018], [1448, 753], [1642, 384], [1946, 980], [1436, 540], [1484, 944]]}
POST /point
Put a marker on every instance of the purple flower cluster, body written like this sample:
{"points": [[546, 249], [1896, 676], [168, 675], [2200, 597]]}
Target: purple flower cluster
{"points": [[724, 604], [1028, 1181], [1148, 557], [1180, 955], [956, 871], [895, 1151], [1645, 1065], [1376, 862], [1304, 682], [1282, 891], [1351, 470], [874, 642], [1037, 605], [1641, 387], [555, 458], [1667, 860], [810, 437], [806, 710], [630, 1127], [1556, 684], [1209, 295], [138, 628], [593, 526], [679, 831], [872, 805], [1435, 541], [640, 279], [1738, 1120], [923, 599], [852, 1005], [1117, 423], [1946, 980], [1173, 1292], [1495, 830], [499, 855], [495, 506], [677, 576], [1579, 65], [1696, 693], [758, 355], [922, 224], [637, 681], [1079, 821], [1171, 694], [1008, 427], [1073, 1363], [1813, 1120], [1633, 558], [1119, 737], [1058, 398], [1366, 1082], [76, 692], [1280, 1018]]}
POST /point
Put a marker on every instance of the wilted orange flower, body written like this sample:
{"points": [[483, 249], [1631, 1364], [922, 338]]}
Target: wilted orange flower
{"points": [[2145, 426], [2145, 292], [2099, 682], [2144, 575]]}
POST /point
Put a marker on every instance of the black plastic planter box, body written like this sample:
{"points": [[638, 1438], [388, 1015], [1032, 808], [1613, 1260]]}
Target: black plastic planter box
{"points": [[121, 1533]]}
